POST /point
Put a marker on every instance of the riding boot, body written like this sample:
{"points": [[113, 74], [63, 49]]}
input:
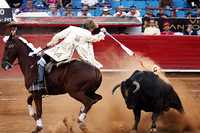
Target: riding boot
{"points": [[41, 64], [41, 75]]}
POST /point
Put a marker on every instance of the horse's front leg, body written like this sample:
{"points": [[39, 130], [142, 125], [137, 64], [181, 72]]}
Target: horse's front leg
{"points": [[31, 110], [37, 97]]}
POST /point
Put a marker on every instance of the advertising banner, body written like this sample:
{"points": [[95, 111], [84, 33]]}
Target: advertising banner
{"points": [[5, 15]]}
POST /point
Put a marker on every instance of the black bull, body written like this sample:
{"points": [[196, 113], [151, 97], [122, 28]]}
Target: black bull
{"points": [[144, 90]]}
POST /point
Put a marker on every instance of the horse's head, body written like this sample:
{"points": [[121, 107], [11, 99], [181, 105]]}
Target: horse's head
{"points": [[10, 51]]}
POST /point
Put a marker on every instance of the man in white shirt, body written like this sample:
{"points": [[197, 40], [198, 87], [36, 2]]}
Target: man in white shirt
{"points": [[152, 29], [76, 38]]}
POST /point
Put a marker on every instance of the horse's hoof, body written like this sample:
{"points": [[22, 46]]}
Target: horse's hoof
{"points": [[82, 125], [37, 129], [79, 122], [153, 130], [34, 116]]}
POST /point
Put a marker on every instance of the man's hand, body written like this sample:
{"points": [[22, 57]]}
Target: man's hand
{"points": [[48, 44], [103, 30]]}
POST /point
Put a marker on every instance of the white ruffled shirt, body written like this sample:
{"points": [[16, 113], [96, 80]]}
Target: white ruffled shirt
{"points": [[152, 31]]}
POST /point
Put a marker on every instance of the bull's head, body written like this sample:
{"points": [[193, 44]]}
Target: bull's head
{"points": [[10, 52], [128, 88]]}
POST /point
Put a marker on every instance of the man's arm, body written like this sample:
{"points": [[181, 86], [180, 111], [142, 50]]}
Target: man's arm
{"points": [[98, 37], [59, 36]]}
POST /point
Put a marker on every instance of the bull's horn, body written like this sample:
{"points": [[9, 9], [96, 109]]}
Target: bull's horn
{"points": [[114, 89], [137, 86]]}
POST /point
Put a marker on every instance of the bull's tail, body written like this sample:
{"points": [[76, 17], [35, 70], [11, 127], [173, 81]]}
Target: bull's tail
{"points": [[175, 102], [114, 89]]}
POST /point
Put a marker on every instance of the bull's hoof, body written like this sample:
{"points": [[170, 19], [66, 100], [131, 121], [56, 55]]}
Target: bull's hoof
{"points": [[37, 129], [153, 130]]}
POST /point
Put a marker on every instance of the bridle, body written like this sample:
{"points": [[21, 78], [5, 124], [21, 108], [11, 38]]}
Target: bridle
{"points": [[7, 63]]}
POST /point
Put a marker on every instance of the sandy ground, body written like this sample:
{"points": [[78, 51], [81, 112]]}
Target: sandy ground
{"points": [[107, 116]]}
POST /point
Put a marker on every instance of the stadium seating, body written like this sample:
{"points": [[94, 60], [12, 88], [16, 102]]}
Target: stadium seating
{"points": [[140, 4]]}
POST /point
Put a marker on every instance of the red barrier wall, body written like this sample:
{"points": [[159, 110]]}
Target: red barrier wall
{"points": [[170, 52]]}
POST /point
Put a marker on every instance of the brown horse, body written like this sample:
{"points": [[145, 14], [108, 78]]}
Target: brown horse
{"points": [[77, 78]]}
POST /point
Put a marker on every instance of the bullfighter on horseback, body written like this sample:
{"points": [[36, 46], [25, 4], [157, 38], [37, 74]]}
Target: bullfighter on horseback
{"points": [[74, 38], [80, 79]]}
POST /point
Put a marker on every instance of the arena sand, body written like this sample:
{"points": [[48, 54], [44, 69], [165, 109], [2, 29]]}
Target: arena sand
{"points": [[110, 115]]}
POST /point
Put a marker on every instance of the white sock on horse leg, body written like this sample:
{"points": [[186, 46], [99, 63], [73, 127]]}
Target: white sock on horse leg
{"points": [[82, 108], [39, 123], [31, 110], [82, 117]]}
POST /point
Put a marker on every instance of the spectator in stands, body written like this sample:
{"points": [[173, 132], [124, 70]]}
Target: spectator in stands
{"points": [[190, 31], [106, 12], [133, 12], [28, 7], [50, 2], [161, 13], [197, 15], [53, 10], [165, 4], [120, 12], [152, 28], [198, 32], [69, 11], [40, 4], [104, 1], [166, 28], [90, 3], [65, 3], [84, 12], [136, 30], [149, 13], [194, 3]]}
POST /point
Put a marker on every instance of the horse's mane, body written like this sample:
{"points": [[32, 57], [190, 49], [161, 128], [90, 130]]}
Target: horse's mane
{"points": [[29, 46]]}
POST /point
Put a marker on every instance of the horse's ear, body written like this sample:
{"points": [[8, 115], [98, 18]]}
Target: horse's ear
{"points": [[12, 34], [13, 31]]}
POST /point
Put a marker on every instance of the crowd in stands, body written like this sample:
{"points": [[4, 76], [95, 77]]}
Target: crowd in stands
{"points": [[165, 9], [97, 7]]}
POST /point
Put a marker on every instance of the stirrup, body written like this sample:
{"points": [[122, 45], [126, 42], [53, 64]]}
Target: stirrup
{"points": [[49, 67]]}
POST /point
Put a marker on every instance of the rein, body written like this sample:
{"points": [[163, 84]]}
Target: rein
{"points": [[17, 63]]}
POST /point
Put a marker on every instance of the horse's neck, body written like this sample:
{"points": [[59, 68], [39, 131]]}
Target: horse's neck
{"points": [[27, 64]]}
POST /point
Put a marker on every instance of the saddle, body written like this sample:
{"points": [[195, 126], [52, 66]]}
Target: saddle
{"points": [[51, 64]]}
